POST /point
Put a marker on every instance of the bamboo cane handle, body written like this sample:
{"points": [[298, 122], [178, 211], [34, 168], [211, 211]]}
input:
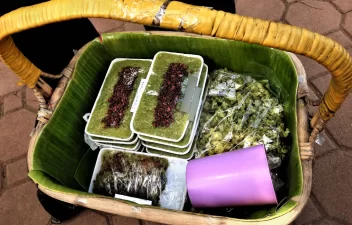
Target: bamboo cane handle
{"points": [[193, 19]]}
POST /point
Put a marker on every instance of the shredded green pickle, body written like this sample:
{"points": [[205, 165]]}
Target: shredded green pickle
{"points": [[144, 117], [95, 126]]}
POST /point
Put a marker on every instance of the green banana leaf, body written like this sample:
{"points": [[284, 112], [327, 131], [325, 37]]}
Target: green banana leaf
{"points": [[60, 146], [85, 169]]}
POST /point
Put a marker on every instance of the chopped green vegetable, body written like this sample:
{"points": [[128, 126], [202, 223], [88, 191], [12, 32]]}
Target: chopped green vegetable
{"points": [[238, 113], [95, 125]]}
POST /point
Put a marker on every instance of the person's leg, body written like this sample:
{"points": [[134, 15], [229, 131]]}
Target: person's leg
{"points": [[223, 5], [60, 211], [50, 47]]}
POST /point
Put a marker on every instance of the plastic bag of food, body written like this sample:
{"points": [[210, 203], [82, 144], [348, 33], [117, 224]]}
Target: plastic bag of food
{"points": [[273, 161], [247, 118], [277, 182], [227, 83], [132, 175]]}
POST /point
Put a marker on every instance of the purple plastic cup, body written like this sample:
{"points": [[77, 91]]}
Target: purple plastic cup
{"points": [[235, 178]]}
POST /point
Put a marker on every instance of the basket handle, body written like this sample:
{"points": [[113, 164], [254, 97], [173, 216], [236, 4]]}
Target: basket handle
{"points": [[193, 19]]}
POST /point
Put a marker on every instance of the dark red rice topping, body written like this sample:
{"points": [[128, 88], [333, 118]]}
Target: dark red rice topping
{"points": [[119, 100], [169, 94]]}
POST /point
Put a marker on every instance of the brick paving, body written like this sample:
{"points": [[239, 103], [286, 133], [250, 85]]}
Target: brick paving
{"points": [[330, 202]]}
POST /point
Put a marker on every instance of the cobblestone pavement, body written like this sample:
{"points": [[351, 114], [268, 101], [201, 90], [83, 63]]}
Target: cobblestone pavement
{"points": [[330, 201]]}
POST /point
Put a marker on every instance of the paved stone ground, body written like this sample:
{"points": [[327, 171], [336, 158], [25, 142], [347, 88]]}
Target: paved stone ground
{"points": [[330, 201]]}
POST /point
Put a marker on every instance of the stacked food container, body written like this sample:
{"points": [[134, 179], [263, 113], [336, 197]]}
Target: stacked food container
{"points": [[142, 103], [109, 122], [153, 105], [165, 121]]}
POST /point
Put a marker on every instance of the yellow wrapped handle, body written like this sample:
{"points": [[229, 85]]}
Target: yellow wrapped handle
{"points": [[193, 19]]}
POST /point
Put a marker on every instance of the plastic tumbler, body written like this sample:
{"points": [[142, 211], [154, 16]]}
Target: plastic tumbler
{"points": [[236, 178]]}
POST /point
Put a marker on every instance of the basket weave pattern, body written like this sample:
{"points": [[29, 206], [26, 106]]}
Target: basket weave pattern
{"points": [[329, 53]]}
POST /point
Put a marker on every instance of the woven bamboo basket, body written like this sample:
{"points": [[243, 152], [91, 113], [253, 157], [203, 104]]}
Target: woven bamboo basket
{"points": [[191, 19]]}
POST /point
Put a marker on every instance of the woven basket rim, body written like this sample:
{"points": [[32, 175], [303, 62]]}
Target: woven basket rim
{"points": [[166, 216]]}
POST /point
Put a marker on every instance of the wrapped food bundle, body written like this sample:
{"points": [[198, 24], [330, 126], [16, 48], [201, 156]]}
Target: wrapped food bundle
{"points": [[240, 112], [132, 175], [109, 122], [140, 177]]}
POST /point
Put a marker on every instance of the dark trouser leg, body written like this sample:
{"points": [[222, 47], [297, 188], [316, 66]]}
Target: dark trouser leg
{"points": [[60, 211], [50, 47], [223, 5]]}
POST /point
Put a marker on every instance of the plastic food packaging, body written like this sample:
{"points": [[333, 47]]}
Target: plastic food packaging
{"points": [[90, 143], [181, 152], [123, 74], [108, 125], [107, 140], [277, 182], [159, 115], [191, 128], [273, 161], [187, 156], [140, 177], [236, 178], [185, 148], [133, 147], [96, 142], [240, 112], [320, 139]]}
